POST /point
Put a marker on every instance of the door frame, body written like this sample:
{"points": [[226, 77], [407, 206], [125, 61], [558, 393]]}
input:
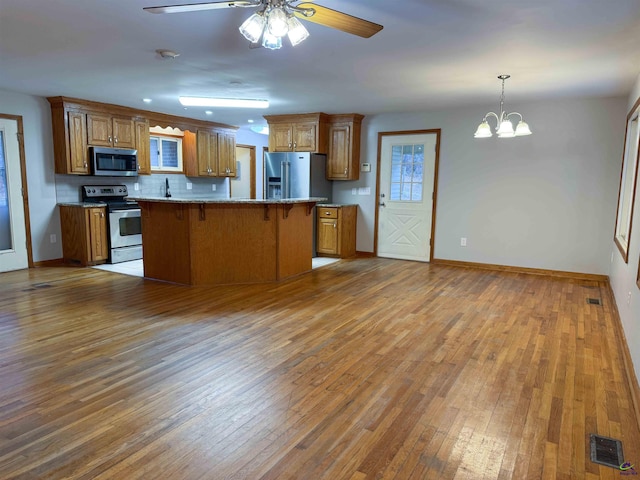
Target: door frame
{"points": [[437, 132], [25, 190], [252, 169]]}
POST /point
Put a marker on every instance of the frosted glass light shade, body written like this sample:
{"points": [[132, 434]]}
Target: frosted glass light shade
{"points": [[506, 129], [483, 131], [522, 129], [297, 33], [271, 41], [277, 22], [252, 27]]}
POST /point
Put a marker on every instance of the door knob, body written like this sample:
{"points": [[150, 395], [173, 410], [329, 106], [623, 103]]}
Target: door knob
{"points": [[382, 195]]}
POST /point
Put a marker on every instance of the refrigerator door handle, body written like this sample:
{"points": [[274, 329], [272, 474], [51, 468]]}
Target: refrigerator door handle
{"points": [[286, 184]]}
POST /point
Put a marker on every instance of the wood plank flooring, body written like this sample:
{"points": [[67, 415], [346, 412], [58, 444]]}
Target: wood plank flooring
{"points": [[364, 369]]}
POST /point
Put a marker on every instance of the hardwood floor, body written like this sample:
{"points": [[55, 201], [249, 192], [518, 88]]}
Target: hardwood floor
{"points": [[367, 368]]}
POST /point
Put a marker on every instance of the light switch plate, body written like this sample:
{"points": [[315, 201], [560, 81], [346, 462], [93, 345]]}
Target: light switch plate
{"points": [[365, 167], [189, 185]]}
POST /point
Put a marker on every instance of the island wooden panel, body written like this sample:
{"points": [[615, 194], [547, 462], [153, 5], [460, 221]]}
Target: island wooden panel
{"points": [[225, 243]]}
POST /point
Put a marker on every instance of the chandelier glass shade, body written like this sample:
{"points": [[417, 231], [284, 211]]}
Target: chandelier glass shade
{"points": [[504, 127], [273, 22]]}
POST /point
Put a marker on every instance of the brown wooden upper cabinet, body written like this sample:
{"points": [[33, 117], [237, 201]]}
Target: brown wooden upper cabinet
{"points": [[298, 132], [109, 131], [79, 124], [343, 159], [215, 154], [143, 146]]}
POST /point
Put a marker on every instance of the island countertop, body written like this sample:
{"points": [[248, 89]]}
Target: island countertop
{"points": [[243, 201], [200, 241]]}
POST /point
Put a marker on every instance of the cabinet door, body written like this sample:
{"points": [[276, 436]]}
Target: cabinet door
{"points": [[280, 137], [143, 146], [78, 153], [304, 137], [339, 158], [226, 155], [99, 130], [328, 236], [207, 153], [98, 234], [123, 133]]}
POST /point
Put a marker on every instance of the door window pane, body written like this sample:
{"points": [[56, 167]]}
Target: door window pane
{"points": [[407, 173]]}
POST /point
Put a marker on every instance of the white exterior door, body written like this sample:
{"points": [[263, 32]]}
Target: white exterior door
{"points": [[13, 235], [407, 179]]}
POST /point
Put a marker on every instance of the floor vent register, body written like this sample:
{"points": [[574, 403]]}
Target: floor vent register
{"points": [[606, 451]]}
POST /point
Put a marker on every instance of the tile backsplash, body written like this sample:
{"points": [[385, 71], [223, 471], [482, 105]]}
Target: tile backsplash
{"points": [[68, 186]]}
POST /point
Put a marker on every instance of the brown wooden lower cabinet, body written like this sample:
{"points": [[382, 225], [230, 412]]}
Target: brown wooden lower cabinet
{"points": [[84, 235], [336, 231]]}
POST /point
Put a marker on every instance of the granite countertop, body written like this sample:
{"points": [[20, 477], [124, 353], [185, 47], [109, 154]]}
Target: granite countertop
{"points": [[82, 204], [228, 200], [337, 205]]}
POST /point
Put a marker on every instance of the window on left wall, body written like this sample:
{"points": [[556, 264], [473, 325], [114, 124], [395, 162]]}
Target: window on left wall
{"points": [[166, 154]]}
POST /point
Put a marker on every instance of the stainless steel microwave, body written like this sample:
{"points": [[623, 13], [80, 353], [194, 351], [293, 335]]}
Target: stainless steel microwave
{"points": [[114, 162]]}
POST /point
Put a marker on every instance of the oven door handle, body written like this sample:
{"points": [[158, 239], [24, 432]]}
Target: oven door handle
{"points": [[134, 210]]}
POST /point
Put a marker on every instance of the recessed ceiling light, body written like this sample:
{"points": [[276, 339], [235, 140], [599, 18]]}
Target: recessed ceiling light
{"points": [[146, 100], [223, 102], [209, 112], [250, 121]]}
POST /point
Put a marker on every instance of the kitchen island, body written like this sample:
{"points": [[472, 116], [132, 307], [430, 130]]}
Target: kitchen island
{"points": [[226, 241]]}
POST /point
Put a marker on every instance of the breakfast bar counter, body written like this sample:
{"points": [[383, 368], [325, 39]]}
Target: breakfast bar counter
{"points": [[218, 241]]}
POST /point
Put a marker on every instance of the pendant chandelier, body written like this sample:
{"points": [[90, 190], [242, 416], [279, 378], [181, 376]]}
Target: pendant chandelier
{"points": [[274, 21], [504, 127]]}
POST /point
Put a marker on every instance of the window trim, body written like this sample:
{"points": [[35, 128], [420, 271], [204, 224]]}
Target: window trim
{"points": [[178, 140]]}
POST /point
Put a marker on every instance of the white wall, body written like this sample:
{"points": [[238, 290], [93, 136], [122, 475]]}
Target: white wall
{"points": [[623, 275], [38, 149], [544, 201]]}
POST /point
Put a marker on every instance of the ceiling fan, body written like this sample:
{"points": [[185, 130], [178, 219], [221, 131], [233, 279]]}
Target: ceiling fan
{"points": [[274, 19]]}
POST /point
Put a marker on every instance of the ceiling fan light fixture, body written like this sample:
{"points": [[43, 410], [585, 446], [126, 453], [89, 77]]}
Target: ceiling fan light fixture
{"points": [[252, 27], [297, 33], [271, 41], [223, 102], [277, 22]]}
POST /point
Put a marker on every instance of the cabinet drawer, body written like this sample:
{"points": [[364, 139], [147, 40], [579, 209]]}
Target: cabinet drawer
{"points": [[327, 212]]}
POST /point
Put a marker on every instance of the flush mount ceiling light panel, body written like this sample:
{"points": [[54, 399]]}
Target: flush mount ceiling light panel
{"points": [[275, 19], [223, 102], [504, 127]]}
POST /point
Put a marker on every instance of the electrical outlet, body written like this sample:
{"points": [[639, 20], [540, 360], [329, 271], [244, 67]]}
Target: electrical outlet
{"points": [[354, 191], [53, 238], [136, 186], [189, 185], [463, 241], [213, 187]]}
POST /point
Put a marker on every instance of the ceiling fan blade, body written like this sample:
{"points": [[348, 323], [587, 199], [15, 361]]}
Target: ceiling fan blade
{"points": [[193, 7], [338, 20]]}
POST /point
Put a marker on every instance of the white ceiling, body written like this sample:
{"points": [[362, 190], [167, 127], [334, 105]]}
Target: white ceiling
{"points": [[431, 54]]}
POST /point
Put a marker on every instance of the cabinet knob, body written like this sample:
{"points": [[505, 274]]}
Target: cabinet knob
{"points": [[115, 140], [334, 224], [110, 139], [295, 145], [289, 145], [345, 171]]}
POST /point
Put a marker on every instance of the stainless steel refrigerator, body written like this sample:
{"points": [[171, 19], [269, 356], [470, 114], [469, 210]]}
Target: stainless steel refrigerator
{"points": [[296, 175]]}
